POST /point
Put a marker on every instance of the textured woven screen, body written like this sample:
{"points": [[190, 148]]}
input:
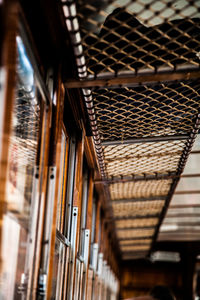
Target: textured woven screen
{"points": [[140, 208], [137, 159], [137, 223], [135, 242], [126, 234], [134, 248], [140, 189], [156, 110]]}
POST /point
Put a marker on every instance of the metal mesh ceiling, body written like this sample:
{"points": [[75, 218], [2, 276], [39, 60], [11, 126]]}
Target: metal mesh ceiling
{"points": [[139, 189], [143, 130], [156, 110], [139, 35], [137, 159]]}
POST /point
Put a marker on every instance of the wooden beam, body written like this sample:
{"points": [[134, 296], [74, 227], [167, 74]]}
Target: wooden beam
{"points": [[145, 177], [135, 217], [132, 80], [151, 139], [155, 198]]}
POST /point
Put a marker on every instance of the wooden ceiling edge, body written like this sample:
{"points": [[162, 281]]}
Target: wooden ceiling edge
{"points": [[91, 156]]}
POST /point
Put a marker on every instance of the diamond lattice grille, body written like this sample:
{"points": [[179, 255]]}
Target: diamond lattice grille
{"points": [[137, 159], [140, 208], [140, 189], [156, 110], [136, 35]]}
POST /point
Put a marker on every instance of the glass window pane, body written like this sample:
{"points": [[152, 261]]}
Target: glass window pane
{"points": [[23, 158]]}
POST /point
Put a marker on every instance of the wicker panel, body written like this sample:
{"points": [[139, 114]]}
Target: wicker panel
{"points": [[131, 190], [134, 35], [143, 208], [142, 158], [164, 109], [136, 223], [135, 242], [126, 234], [134, 248]]}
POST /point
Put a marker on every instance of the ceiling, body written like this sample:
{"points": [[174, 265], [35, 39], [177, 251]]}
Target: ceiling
{"points": [[138, 67]]}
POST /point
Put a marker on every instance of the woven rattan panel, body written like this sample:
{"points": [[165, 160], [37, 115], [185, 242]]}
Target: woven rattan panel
{"points": [[127, 234], [140, 189], [135, 242], [137, 223], [142, 208], [148, 158], [134, 35], [156, 110], [134, 248]]}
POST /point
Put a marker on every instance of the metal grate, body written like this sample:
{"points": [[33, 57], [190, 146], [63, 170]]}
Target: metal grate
{"points": [[156, 110], [131, 190], [137, 159], [139, 35]]}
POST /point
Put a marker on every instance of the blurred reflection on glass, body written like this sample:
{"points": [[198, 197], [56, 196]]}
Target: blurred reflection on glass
{"points": [[21, 205]]}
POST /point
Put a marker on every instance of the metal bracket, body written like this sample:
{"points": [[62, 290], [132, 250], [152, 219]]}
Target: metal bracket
{"points": [[95, 248], [49, 214], [72, 252], [85, 263]]}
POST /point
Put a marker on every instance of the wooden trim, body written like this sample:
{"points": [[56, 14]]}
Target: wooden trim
{"points": [[90, 202], [90, 153], [56, 136], [97, 225], [89, 223], [77, 198], [43, 171]]}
